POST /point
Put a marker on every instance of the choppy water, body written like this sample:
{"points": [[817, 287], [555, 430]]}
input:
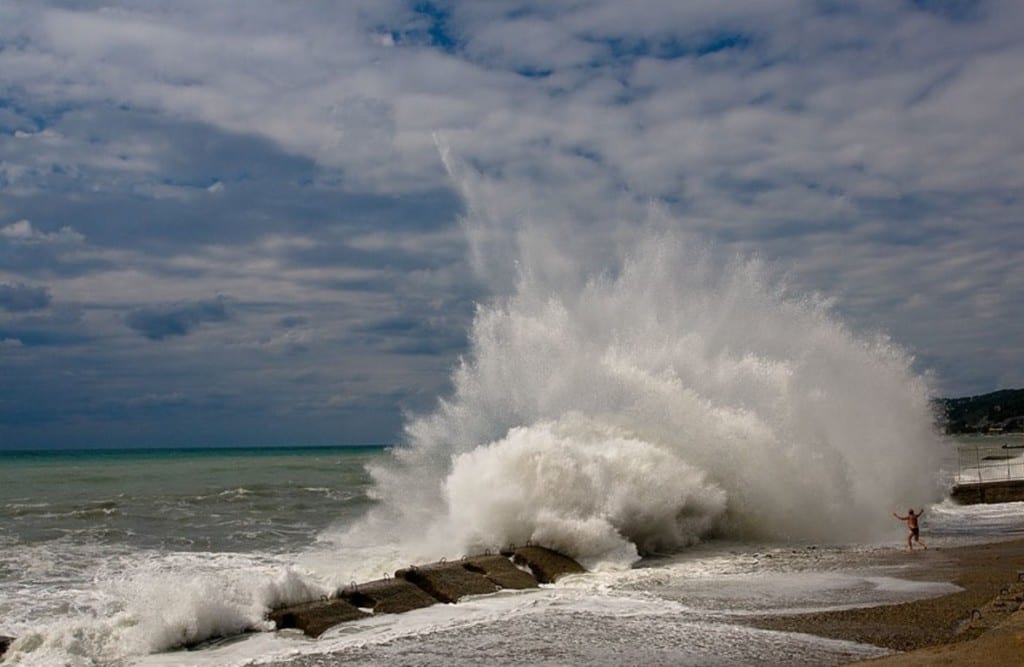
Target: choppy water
{"points": [[213, 500], [105, 555], [112, 557]]}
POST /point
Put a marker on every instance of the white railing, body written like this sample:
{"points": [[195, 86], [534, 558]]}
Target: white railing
{"points": [[989, 463]]}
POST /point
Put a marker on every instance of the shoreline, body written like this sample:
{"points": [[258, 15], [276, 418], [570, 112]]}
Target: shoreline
{"points": [[977, 625]]}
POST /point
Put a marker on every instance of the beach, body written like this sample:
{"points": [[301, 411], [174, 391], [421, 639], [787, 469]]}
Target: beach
{"points": [[979, 625]]}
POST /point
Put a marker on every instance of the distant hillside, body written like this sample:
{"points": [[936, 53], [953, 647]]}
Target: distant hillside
{"points": [[998, 412]]}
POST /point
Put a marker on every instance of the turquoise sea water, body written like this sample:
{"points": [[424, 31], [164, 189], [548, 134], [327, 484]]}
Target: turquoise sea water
{"points": [[109, 555], [237, 499]]}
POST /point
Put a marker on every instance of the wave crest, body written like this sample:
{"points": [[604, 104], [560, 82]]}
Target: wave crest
{"points": [[677, 397], [581, 487]]}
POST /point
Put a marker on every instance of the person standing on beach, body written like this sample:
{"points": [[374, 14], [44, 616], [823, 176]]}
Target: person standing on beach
{"points": [[914, 534]]}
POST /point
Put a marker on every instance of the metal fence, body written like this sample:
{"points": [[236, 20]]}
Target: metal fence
{"points": [[989, 463]]}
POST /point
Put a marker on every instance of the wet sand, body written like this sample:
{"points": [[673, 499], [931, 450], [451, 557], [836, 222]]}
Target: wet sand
{"points": [[979, 625]]}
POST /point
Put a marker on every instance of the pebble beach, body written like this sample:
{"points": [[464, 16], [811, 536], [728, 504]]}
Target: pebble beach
{"points": [[978, 625]]}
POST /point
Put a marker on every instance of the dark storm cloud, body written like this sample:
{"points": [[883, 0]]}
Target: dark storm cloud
{"points": [[292, 321], [57, 325], [140, 181], [18, 297], [430, 334], [956, 10], [32, 337], [179, 319]]}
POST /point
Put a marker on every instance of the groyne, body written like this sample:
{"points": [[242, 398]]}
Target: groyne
{"points": [[418, 586], [415, 587], [988, 472], [988, 492]]}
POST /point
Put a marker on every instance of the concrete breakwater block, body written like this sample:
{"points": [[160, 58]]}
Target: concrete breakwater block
{"points": [[313, 618], [547, 565], [387, 596], [1005, 491], [421, 586], [500, 571], [447, 581]]}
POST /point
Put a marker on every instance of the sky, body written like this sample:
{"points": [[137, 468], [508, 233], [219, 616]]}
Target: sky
{"points": [[232, 223]]}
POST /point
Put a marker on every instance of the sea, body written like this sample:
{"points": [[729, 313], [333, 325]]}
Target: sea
{"points": [[120, 557]]}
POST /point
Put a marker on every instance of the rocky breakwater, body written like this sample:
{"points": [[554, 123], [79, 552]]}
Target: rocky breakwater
{"points": [[424, 585], [415, 587]]}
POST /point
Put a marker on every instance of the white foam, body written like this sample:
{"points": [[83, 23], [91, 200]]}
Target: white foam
{"points": [[973, 522], [581, 487], [655, 401], [552, 624], [158, 602]]}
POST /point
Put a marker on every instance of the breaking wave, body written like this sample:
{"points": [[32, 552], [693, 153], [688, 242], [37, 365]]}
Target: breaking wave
{"points": [[667, 397]]}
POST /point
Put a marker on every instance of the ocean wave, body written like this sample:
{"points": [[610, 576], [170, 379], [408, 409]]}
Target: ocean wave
{"points": [[160, 602], [667, 397]]}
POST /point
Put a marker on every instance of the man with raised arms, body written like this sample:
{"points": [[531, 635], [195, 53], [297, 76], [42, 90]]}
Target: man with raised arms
{"points": [[914, 531]]}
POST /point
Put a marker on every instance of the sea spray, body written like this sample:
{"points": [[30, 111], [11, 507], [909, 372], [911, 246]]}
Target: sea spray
{"points": [[580, 486], [653, 402], [164, 603]]}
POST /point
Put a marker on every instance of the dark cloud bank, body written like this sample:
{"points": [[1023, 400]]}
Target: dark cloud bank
{"points": [[180, 319]]}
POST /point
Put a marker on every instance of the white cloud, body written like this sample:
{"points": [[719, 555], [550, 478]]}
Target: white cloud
{"points": [[22, 231]]}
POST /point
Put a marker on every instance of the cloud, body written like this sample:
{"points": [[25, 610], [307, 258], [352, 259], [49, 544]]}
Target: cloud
{"points": [[955, 10], [179, 319], [149, 402], [430, 334], [18, 297], [22, 232], [869, 150]]}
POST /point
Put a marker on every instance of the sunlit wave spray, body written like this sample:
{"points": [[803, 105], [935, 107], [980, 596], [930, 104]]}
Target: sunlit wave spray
{"points": [[664, 399]]}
